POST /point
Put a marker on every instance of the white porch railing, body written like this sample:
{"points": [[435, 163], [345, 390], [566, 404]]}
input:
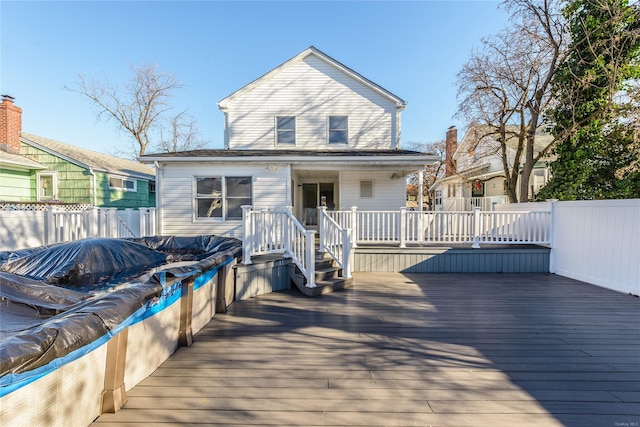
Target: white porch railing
{"points": [[475, 227], [470, 203], [278, 231], [335, 240]]}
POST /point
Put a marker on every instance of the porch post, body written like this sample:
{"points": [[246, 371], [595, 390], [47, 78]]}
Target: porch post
{"points": [[420, 189], [354, 226], [403, 227], [476, 228], [247, 234]]}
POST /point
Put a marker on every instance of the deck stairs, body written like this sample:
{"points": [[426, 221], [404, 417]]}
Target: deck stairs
{"points": [[328, 276]]}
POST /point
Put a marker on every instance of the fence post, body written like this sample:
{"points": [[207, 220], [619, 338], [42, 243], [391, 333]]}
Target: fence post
{"points": [[346, 253], [310, 240], [552, 235], [322, 233], [247, 235], [92, 222], [476, 228], [49, 224], [403, 226], [112, 231], [152, 222]]}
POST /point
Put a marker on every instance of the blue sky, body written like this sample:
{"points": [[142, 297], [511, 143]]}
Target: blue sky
{"points": [[413, 49]]}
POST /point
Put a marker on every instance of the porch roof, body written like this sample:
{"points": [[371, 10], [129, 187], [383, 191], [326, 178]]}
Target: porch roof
{"points": [[381, 157]]}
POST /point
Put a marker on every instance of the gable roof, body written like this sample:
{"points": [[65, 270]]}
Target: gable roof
{"points": [[400, 103], [89, 159], [477, 132]]}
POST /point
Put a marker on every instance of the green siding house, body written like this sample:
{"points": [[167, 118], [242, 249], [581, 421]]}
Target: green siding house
{"points": [[37, 169]]}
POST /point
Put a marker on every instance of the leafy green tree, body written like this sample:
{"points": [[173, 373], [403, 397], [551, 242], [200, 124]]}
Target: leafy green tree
{"points": [[593, 90]]}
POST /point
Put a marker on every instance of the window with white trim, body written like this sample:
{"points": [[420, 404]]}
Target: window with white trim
{"points": [[124, 184], [222, 197], [47, 186], [285, 130], [366, 189], [437, 197], [338, 129]]}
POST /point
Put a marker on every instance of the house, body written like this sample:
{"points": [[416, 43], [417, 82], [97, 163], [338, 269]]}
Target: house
{"points": [[37, 169], [311, 132], [474, 173]]}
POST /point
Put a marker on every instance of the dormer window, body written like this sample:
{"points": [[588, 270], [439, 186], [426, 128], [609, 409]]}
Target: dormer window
{"points": [[338, 129], [285, 130]]}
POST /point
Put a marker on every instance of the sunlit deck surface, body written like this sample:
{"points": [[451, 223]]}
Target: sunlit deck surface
{"points": [[408, 349]]}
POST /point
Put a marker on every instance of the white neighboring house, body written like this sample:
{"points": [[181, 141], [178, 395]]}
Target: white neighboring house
{"points": [[474, 174], [310, 132]]}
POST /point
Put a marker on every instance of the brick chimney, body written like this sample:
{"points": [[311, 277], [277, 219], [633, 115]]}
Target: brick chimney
{"points": [[451, 145], [10, 125]]}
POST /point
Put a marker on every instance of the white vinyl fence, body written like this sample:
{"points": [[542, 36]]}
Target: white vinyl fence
{"points": [[598, 242], [21, 229]]}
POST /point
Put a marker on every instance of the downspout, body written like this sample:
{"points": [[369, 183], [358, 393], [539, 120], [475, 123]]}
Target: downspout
{"points": [[95, 190], [159, 191]]}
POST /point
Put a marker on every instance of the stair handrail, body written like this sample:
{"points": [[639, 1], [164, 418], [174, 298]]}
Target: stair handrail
{"points": [[278, 231], [335, 241]]}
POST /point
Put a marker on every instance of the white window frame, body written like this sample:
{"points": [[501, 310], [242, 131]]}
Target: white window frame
{"points": [[223, 198], [277, 130], [122, 186], [437, 197], [40, 175], [364, 196], [329, 130]]}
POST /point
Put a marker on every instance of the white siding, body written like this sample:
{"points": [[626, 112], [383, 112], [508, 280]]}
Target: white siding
{"points": [[270, 189], [388, 194], [311, 90]]}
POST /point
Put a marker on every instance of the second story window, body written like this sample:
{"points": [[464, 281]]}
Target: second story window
{"points": [[285, 130], [338, 129]]}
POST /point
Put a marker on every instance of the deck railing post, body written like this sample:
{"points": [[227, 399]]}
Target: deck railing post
{"points": [[346, 253], [354, 226], [287, 232], [403, 227], [247, 234], [476, 228], [322, 232], [310, 265]]}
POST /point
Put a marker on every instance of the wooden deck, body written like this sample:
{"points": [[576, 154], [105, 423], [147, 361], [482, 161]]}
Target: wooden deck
{"points": [[408, 349]]}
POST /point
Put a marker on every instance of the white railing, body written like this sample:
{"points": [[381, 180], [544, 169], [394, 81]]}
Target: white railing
{"points": [[278, 231], [335, 240], [475, 227], [457, 204], [21, 229]]}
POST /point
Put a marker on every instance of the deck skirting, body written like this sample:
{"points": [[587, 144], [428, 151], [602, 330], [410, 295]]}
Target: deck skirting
{"points": [[447, 259]]}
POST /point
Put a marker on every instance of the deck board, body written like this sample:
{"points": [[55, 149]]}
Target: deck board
{"points": [[407, 349]]}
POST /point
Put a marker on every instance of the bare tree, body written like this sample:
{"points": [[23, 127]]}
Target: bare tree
{"points": [[505, 87], [182, 134], [431, 172], [139, 106]]}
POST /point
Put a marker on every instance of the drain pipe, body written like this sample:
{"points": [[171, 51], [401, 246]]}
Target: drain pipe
{"points": [[95, 190]]}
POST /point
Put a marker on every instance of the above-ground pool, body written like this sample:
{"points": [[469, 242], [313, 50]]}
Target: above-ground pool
{"points": [[63, 303]]}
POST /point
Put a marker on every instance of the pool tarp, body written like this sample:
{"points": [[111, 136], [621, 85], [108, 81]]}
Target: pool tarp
{"points": [[56, 299]]}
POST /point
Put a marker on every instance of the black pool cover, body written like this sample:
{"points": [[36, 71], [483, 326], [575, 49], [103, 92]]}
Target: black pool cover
{"points": [[59, 298]]}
